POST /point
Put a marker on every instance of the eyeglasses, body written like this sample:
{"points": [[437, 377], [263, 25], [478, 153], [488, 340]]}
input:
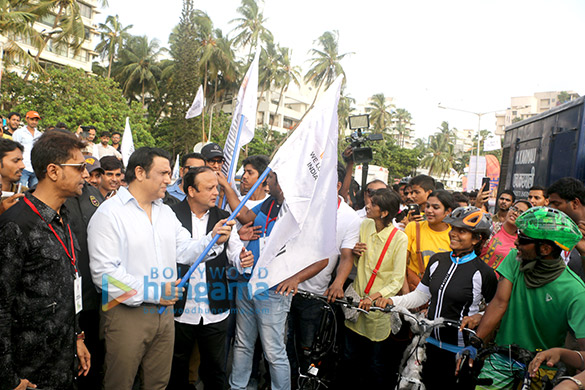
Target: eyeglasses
{"points": [[516, 210], [525, 240], [80, 167], [215, 161]]}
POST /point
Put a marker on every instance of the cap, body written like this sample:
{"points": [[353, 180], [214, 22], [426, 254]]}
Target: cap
{"points": [[211, 150], [33, 114], [93, 164]]}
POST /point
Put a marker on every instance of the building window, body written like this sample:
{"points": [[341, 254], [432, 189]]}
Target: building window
{"points": [[85, 10], [48, 20], [288, 123]]}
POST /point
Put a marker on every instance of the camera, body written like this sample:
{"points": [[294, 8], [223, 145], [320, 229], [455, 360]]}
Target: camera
{"points": [[357, 139]]}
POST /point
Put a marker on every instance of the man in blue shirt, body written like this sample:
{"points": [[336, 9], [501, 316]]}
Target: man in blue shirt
{"points": [[188, 161]]}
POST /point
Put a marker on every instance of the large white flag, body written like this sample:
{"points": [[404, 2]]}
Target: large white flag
{"points": [[127, 147], [306, 168], [197, 107], [244, 118]]}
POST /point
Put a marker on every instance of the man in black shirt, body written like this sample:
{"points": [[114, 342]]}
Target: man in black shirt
{"points": [[40, 290]]}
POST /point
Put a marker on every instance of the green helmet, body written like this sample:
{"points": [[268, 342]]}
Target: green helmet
{"points": [[545, 223]]}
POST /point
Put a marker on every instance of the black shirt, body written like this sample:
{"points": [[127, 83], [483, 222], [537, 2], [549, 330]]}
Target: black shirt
{"points": [[37, 311]]}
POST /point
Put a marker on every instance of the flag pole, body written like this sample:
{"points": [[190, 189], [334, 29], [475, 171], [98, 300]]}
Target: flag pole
{"points": [[214, 239], [235, 153]]}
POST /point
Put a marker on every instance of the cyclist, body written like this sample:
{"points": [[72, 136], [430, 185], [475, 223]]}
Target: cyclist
{"points": [[538, 298], [502, 241], [455, 283]]}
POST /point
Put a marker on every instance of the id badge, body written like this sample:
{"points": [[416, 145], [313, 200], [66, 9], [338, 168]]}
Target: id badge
{"points": [[262, 242], [77, 292]]}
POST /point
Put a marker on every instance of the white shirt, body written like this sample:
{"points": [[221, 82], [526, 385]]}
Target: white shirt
{"points": [[125, 246], [197, 306], [108, 150], [348, 234], [26, 139]]}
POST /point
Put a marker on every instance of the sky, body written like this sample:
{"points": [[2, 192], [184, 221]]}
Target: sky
{"points": [[472, 55]]}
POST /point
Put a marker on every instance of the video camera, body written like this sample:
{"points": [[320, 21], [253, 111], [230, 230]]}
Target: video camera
{"points": [[357, 139]]}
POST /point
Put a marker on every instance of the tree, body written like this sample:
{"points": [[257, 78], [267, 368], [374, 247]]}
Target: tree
{"points": [[251, 27], [139, 67], [69, 95], [344, 108], [286, 73], [439, 161], [112, 35], [380, 112], [67, 29], [325, 64], [400, 162], [403, 119], [563, 97]]}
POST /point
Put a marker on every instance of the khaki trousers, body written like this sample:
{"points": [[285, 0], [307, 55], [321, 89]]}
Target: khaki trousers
{"points": [[137, 337]]}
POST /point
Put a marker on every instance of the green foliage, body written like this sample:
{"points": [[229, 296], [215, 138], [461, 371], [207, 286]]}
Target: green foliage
{"points": [[69, 95], [400, 162], [563, 97], [261, 145]]}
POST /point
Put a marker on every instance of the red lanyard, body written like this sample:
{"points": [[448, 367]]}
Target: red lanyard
{"points": [[338, 203], [269, 220], [72, 255]]}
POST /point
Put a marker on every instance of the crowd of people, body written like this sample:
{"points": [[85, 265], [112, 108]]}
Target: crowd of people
{"points": [[92, 253]]}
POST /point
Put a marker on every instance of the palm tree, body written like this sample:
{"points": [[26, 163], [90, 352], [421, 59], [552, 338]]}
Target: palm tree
{"points": [[285, 74], [112, 35], [403, 118], [267, 69], [326, 63], [440, 159], [380, 112], [18, 23], [139, 67], [450, 133], [67, 28], [251, 26], [344, 108]]}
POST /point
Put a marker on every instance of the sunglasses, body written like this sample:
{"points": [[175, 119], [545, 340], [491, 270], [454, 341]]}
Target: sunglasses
{"points": [[516, 210], [216, 161], [80, 167], [525, 240]]}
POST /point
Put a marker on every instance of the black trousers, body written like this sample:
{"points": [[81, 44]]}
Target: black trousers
{"points": [[211, 340]]}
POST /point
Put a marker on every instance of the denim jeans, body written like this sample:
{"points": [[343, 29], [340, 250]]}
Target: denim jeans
{"points": [[263, 315], [28, 179]]}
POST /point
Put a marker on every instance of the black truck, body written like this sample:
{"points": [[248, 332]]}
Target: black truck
{"points": [[544, 148]]}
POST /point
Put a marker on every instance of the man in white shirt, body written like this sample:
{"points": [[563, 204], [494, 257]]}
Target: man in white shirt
{"points": [[204, 317], [135, 242], [26, 136], [104, 149]]}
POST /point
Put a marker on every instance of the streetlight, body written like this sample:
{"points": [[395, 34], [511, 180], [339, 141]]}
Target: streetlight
{"points": [[479, 115]]}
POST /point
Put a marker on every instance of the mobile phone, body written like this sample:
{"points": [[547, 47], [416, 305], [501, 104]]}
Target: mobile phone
{"points": [[485, 183], [414, 208]]}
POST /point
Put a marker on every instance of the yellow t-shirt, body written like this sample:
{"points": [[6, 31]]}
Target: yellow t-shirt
{"points": [[431, 242]]}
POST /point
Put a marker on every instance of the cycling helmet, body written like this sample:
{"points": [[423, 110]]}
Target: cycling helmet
{"points": [[472, 219], [545, 223]]}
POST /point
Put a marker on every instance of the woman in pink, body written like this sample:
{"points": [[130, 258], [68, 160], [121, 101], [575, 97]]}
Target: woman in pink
{"points": [[500, 244]]}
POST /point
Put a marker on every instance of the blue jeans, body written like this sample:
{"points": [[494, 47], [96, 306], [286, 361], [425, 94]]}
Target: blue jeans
{"points": [[28, 179], [265, 315]]}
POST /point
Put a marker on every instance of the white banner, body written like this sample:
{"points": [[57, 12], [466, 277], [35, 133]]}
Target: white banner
{"points": [[475, 175], [493, 143], [306, 168], [244, 118], [127, 147], [197, 107]]}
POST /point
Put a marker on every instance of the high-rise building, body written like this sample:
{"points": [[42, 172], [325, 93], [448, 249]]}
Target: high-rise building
{"points": [[524, 107], [61, 54]]}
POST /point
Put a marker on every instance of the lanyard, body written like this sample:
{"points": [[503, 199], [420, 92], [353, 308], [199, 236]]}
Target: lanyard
{"points": [[72, 255], [268, 219], [338, 203]]}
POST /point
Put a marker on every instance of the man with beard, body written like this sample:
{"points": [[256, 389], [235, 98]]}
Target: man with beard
{"points": [[12, 124], [11, 167], [506, 199], [538, 298], [40, 287]]}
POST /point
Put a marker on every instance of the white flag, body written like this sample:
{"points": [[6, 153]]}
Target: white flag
{"points": [[493, 143], [127, 147], [306, 168], [197, 107], [245, 113], [175, 175]]}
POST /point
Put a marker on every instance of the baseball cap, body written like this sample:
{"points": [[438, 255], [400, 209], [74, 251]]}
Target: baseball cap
{"points": [[211, 150], [93, 164], [33, 114]]}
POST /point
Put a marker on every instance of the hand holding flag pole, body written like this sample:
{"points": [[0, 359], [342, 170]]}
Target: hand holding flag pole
{"points": [[214, 239]]}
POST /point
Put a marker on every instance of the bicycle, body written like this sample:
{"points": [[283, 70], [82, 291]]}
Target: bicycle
{"points": [[518, 359], [324, 350]]}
